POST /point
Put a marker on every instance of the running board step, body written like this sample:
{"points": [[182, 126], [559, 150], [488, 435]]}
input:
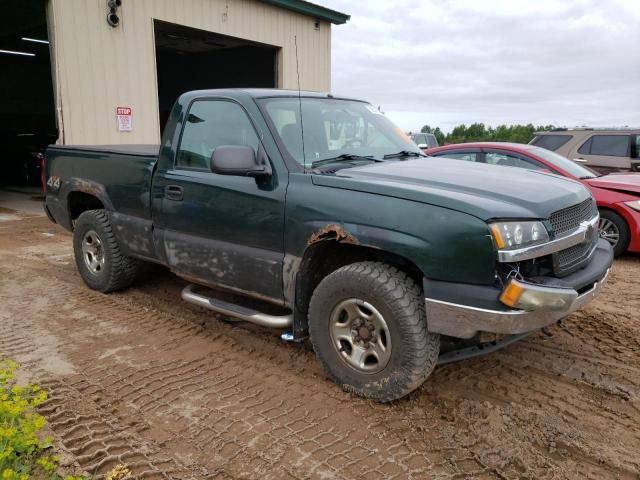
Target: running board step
{"points": [[236, 311]]}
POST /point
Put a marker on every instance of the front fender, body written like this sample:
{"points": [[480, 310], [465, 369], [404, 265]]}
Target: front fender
{"points": [[444, 244]]}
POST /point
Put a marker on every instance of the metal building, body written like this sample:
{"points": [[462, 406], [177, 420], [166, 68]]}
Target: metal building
{"points": [[104, 72]]}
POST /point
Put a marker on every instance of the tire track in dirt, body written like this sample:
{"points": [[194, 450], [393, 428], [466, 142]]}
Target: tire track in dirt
{"points": [[233, 394], [226, 398], [88, 430]]}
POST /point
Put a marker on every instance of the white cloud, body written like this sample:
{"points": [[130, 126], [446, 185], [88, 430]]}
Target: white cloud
{"points": [[496, 61]]}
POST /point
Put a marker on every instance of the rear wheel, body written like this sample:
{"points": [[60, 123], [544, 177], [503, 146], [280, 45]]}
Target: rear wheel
{"points": [[100, 262], [367, 324], [615, 230]]}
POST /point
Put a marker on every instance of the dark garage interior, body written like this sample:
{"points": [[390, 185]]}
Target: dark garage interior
{"points": [[27, 111], [192, 59]]}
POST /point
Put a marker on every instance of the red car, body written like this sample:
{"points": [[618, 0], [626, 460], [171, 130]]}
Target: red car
{"points": [[617, 194]]}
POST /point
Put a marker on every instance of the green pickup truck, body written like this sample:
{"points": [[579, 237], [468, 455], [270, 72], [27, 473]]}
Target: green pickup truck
{"points": [[326, 214]]}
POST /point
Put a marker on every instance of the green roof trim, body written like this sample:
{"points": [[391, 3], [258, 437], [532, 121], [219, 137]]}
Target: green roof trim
{"points": [[312, 10]]}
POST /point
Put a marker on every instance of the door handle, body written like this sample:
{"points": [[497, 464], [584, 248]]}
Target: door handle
{"points": [[174, 192], [580, 160]]}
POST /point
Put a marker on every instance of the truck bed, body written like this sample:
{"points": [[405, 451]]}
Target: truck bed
{"points": [[122, 171], [118, 175]]}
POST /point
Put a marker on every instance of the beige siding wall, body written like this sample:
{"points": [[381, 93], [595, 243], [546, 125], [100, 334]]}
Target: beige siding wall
{"points": [[97, 67]]}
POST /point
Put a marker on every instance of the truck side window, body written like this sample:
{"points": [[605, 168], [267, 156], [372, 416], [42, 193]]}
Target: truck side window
{"points": [[210, 124]]}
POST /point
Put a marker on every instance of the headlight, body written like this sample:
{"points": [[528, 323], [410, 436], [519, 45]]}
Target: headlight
{"points": [[512, 235], [635, 204]]}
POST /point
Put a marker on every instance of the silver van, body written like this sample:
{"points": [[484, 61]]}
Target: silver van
{"points": [[603, 150]]}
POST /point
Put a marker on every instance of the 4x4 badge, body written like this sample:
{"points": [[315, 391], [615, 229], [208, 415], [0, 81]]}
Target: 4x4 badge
{"points": [[54, 182]]}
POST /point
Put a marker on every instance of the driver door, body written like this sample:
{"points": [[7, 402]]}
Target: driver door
{"points": [[221, 230]]}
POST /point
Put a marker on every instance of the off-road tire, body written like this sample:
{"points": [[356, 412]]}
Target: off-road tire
{"points": [[414, 351], [623, 231], [119, 271]]}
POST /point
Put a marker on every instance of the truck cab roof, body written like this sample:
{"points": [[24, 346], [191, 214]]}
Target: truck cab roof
{"points": [[264, 93]]}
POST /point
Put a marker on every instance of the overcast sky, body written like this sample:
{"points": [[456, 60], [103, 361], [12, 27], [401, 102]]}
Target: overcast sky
{"points": [[444, 63]]}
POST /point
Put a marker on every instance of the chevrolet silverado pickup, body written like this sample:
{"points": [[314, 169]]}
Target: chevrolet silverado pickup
{"points": [[323, 212]]}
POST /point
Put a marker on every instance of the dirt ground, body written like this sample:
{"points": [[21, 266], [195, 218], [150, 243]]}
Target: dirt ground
{"points": [[144, 379]]}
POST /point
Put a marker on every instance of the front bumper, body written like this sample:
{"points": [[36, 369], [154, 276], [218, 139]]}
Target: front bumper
{"points": [[477, 309]]}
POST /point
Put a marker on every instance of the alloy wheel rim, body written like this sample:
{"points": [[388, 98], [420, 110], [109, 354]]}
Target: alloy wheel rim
{"points": [[360, 335], [92, 252], [608, 231]]}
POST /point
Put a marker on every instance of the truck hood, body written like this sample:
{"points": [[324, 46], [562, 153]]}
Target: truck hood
{"points": [[485, 191], [621, 182]]}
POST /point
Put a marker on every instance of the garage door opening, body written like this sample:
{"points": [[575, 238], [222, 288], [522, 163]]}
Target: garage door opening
{"points": [[192, 59], [27, 112]]}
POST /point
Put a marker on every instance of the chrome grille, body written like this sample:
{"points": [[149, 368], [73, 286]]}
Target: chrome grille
{"points": [[565, 221], [569, 259], [568, 219]]}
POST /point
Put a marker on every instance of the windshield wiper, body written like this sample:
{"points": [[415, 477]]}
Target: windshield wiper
{"points": [[345, 157], [404, 153]]}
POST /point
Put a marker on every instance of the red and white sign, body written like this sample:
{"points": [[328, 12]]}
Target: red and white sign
{"points": [[124, 119]]}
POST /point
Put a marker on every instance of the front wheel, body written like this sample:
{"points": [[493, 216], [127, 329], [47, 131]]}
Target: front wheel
{"points": [[368, 327], [614, 229]]}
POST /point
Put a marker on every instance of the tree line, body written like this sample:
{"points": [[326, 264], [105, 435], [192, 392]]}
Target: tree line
{"points": [[478, 132]]}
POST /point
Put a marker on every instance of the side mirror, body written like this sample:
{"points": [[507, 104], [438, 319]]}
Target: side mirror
{"points": [[240, 160]]}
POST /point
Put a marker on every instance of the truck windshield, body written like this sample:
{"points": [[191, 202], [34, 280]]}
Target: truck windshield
{"points": [[333, 128]]}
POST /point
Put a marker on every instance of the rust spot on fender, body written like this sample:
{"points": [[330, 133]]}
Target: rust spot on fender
{"points": [[86, 186], [332, 232]]}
